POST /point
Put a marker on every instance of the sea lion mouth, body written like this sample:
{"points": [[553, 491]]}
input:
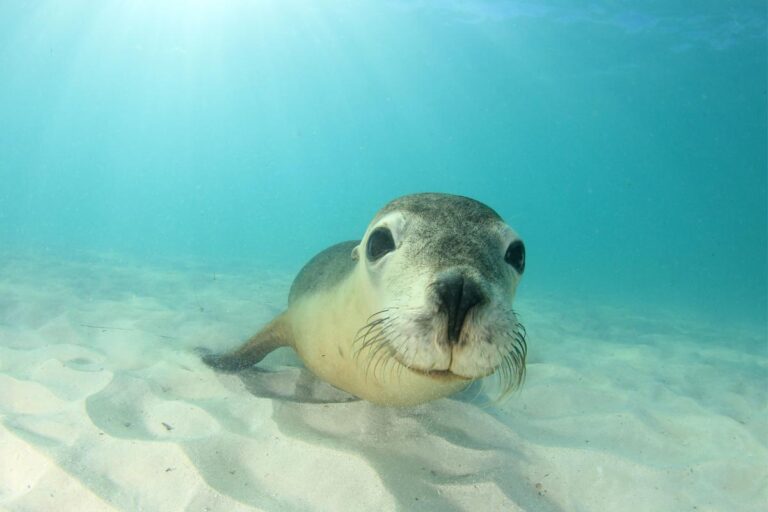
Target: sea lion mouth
{"points": [[383, 338], [438, 374], [431, 373]]}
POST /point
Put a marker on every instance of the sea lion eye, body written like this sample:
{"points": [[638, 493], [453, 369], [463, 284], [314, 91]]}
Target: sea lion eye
{"points": [[380, 242], [515, 256]]}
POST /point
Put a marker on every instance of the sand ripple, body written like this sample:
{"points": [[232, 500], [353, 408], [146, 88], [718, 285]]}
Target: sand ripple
{"points": [[104, 406]]}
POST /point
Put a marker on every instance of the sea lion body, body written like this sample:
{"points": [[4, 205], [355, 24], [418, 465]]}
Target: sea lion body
{"points": [[410, 313]]}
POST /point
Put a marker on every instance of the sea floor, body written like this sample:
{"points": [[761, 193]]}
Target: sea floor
{"points": [[104, 406]]}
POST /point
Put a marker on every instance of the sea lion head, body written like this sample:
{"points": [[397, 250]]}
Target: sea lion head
{"points": [[443, 270]]}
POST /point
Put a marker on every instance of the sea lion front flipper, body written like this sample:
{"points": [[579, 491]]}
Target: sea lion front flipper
{"points": [[274, 335]]}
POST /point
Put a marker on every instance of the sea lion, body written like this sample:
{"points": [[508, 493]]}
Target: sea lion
{"points": [[416, 310]]}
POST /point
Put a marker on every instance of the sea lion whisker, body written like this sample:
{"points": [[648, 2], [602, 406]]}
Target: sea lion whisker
{"points": [[513, 360], [365, 339], [382, 354], [511, 377], [403, 351], [374, 345], [374, 338], [377, 345], [371, 344], [368, 364], [364, 330], [504, 372], [395, 365], [380, 312], [506, 376]]}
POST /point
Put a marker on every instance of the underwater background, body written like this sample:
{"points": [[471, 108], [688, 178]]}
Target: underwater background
{"points": [[625, 141], [166, 167]]}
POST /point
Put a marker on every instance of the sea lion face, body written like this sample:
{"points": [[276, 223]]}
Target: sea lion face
{"points": [[444, 269]]}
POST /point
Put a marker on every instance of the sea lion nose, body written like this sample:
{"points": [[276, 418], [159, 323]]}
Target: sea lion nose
{"points": [[456, 296]]}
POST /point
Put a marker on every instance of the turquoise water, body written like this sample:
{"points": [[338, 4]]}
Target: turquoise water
{"points": [[166, 167], [626, 141]]}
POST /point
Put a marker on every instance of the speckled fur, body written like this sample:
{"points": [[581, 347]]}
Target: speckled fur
{"points": [[448, 235], [327, 269], [457, 242]]}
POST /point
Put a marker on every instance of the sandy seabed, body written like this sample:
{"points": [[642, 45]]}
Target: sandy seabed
{"points": [[104, 406]]}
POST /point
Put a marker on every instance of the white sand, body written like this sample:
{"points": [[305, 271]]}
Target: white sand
{"points": [[104, 407]]}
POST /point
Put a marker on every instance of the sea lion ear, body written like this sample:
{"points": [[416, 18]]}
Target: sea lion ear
{"points": [[356, 253]]}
